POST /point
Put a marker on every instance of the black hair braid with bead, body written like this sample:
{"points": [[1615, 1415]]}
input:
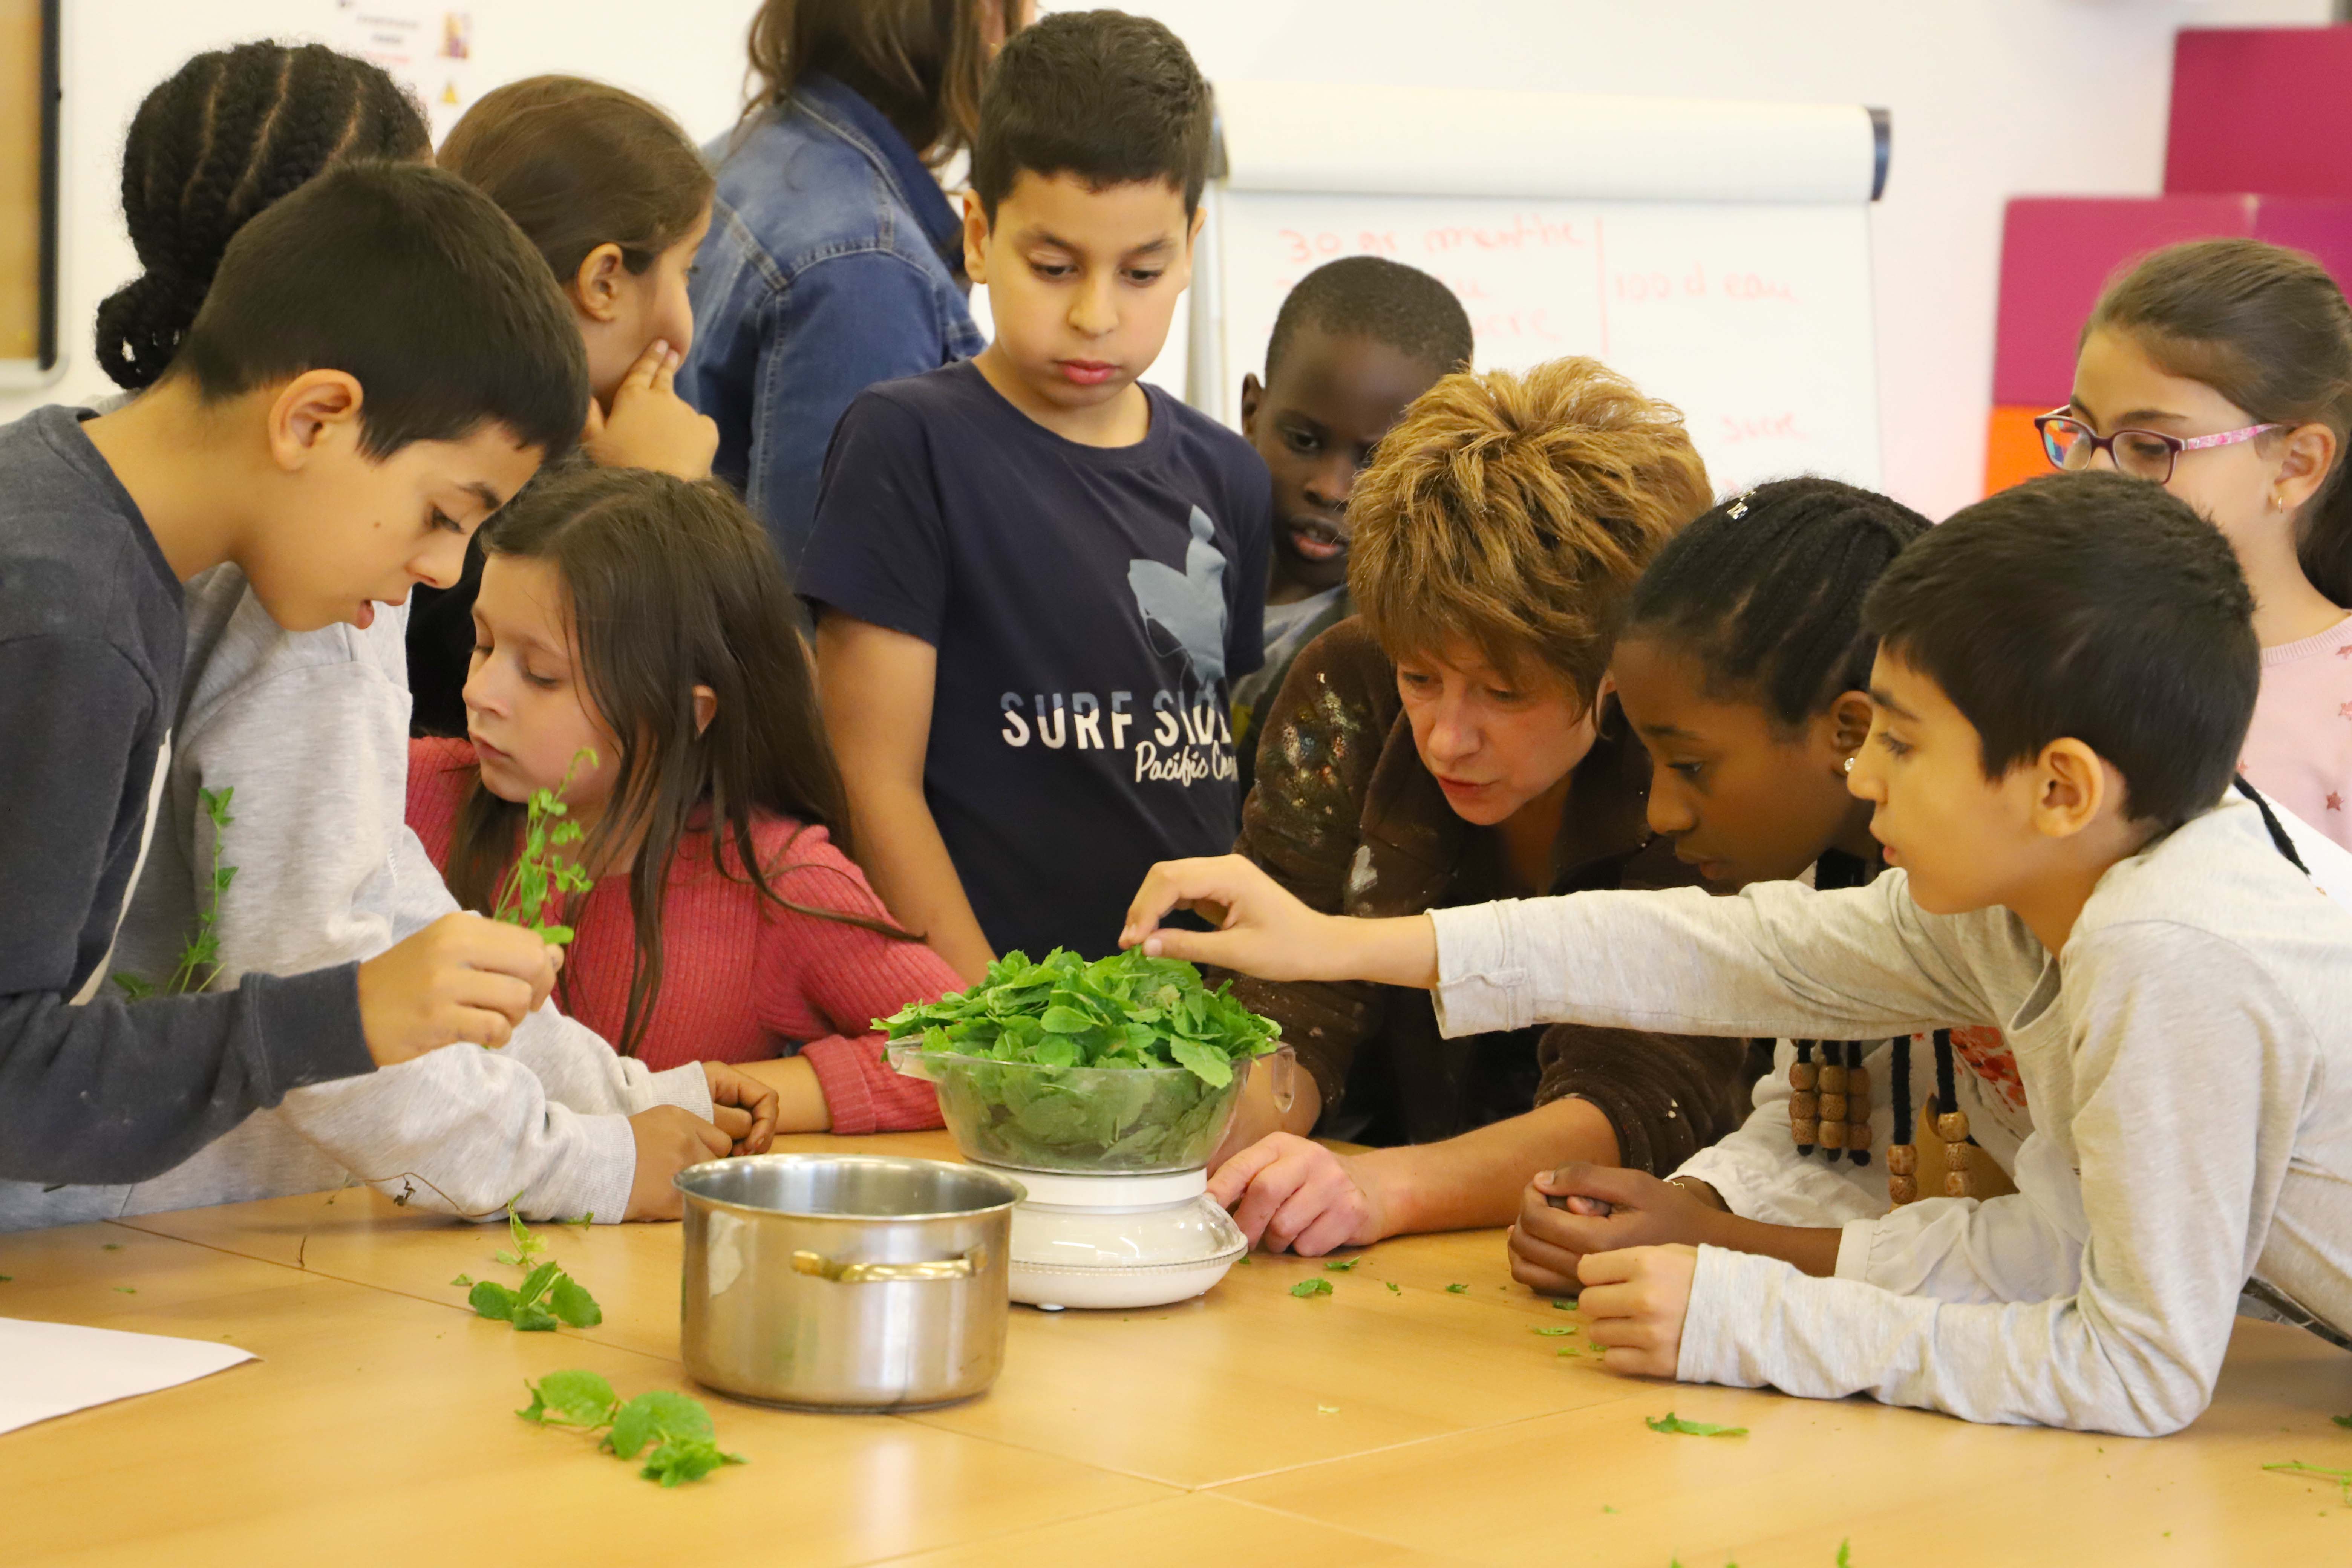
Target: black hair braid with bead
{"points": [[227, 134], [1766, 590]]}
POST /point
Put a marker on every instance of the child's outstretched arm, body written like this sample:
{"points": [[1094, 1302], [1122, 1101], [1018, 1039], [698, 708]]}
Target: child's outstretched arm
{"points": [[1262, 930], [877, 688]]}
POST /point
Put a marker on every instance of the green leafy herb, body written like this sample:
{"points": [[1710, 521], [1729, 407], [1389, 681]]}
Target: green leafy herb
{"points": [[110, 1247], [1456, 1290], [1341, 1266], [491, 1299], [128, 1289], [684, 1445], [462, 1281], [1566, 1306], [5, 1279], [1671, 1422], [199, 963], [659, 1417], [2342, 1420], [1550, 1331], [543, 874], [572, 1399], [2297, 1467], [1394, 1289], [569, 1301], [1846, 1548], [1026, 1061], [1318, 1286], [584, 1221], [547, 1296], [528, 1246]]}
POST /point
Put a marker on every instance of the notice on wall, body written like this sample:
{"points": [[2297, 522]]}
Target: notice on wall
{"points": [[428, 49]]}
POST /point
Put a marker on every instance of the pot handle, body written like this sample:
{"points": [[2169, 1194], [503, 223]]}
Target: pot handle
{"points": [[825, 1267]]}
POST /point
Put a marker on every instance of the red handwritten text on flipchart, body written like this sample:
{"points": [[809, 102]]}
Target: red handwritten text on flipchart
{"points": [[1697, 283], [1745, 427]]}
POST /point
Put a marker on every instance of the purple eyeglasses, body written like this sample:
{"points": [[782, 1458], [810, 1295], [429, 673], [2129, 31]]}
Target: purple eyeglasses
{"points": [[2071, 445]]}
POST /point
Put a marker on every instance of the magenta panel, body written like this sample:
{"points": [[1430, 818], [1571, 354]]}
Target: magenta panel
{"points": [[2261, 109], [2056, 255]]}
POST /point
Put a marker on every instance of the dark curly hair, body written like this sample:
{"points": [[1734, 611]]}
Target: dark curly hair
{"points": [[221, 139]]}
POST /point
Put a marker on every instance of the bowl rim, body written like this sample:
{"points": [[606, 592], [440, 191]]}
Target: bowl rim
{"points": [[915, 1048], [737, 1162]]}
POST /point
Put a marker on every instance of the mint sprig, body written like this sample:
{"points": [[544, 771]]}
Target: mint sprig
{"points": [[672, 1430]]}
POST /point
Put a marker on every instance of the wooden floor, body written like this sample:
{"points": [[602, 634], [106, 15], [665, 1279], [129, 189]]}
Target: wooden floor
{"points": [[1374, 1426]]}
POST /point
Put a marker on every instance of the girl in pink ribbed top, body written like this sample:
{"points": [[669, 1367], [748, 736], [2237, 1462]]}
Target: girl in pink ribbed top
{"points": [[2222, 370], [635, 631]]}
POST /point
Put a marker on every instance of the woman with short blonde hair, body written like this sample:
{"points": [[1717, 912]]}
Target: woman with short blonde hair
{"points": [[1453, 743]]}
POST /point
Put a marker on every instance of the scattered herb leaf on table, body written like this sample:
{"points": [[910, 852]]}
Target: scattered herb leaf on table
{"points": [[1315, 1287], [1671, 1422], [685, 1445]]}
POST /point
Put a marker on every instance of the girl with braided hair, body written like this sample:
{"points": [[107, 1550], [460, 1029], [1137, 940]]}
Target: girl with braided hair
{"points": [[1743, 669], [224, 136]]}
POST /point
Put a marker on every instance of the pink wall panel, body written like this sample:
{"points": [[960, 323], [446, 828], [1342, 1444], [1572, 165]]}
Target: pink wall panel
{"points": [[2266, 110]]}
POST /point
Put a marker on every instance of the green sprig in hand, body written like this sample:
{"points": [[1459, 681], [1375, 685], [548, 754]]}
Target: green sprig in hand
{"points": [[199, 963], [542, 873]]}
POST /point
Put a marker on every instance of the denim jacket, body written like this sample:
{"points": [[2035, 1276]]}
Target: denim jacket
{"points": [[827, 269]]}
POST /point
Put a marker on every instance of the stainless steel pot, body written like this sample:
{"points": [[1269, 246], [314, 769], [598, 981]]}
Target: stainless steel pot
{"points": [[846, 1282]]}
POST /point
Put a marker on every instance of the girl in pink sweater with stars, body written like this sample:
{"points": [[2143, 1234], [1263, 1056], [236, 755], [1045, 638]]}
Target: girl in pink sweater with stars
{"points": [[635, 634], [2222, 370]]}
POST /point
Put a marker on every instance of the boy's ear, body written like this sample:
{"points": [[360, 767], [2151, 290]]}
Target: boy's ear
{"points": [[596, 288], [1849, 722], [2074, 787], [2305, 457], [1253, 394], [316, 410], [1199, 216], [706, 708], [976, 240]]}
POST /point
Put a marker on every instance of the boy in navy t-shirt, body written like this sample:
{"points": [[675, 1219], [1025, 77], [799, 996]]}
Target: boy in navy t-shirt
{"points": [[1037, 578]]}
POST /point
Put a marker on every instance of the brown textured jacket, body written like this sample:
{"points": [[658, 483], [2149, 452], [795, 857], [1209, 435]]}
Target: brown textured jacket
{"points": [[1345, 815]]}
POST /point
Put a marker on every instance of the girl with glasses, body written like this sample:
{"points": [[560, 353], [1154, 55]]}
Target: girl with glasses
{"points": [[2222, 371]]}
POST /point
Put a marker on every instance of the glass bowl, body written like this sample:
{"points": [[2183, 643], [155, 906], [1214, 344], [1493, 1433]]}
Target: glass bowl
{"points": [[1127, 1121]]}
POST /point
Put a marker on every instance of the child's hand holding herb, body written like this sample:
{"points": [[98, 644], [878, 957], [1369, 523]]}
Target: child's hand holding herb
{"points": [[462, 978]]}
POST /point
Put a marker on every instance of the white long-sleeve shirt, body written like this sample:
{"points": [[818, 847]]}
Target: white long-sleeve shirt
{"points": [[2188, 1062], [310, 729]]}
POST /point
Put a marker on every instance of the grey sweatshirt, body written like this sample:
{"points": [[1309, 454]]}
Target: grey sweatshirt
{"points": [[2188, 1062], [310, 729], [91, 634]]}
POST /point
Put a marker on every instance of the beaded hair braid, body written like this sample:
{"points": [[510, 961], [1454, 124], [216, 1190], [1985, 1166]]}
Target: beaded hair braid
{"points": [[228, 133]]}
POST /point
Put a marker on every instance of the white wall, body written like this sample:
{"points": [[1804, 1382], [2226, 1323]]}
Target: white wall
{"points": [[1990, 99]]}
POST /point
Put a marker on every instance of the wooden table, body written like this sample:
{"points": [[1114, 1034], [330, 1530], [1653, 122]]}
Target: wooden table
{"points": [[1373, 1425]]}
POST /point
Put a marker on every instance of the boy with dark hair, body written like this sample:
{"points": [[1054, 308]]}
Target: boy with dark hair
{"points": [[380, 362], [1036, 578], [1356, 342], [2065, 673]]}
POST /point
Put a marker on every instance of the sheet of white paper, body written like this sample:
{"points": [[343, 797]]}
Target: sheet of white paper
{"points": [[55, 1369]]}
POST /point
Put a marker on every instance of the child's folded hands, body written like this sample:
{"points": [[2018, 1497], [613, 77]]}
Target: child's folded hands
{"points": [[1634, 1303], [1580, 1209], [742, 1107]]}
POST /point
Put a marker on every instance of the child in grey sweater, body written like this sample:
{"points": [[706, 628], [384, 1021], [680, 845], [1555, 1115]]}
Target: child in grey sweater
{"points": [[310, 732], [2067, 672]]}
